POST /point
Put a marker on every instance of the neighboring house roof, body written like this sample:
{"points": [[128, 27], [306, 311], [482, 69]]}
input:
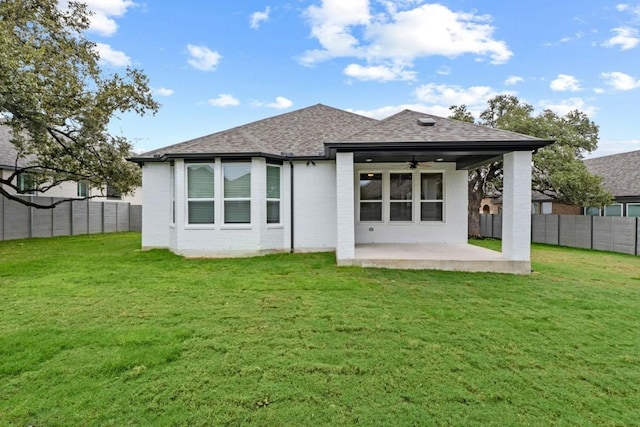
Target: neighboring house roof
{"points": [[321, 131], [620, 172]]}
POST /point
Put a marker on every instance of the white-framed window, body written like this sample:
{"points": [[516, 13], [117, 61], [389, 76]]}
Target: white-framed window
{"points": [[591, 211], [613, 210], [633, 209], [431, 196], [200, 193], [237, 192], [273, 194], [401, 197], [83, 188], [370, 197]]}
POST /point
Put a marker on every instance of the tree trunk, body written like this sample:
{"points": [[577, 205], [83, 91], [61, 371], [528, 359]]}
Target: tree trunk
{"points": [[475, 197]]}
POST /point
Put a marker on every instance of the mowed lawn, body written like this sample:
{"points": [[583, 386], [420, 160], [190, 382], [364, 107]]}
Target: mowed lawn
{"points": [[95, 332]]}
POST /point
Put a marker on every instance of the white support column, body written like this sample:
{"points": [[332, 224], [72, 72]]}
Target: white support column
{"points": [[345, 244], [516, 211]]}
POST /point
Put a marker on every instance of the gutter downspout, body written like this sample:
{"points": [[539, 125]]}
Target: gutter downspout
{"points": [[291, 201]]}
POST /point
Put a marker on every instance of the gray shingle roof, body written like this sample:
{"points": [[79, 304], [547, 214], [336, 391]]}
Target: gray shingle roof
{"points": [[620, 172], [302, 132], [404, 127]]}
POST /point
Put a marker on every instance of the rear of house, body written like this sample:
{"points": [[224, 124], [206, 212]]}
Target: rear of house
{"points": [[324, 179]]}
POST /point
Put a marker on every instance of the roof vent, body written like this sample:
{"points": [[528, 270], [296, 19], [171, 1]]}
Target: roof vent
{"points": [[426, 121]]}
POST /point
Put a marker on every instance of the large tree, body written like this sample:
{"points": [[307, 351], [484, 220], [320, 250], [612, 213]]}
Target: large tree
{"points": [[58, 102], [557, 170]]}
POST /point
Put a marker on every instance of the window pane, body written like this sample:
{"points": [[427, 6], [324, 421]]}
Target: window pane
{"points": [[273, 182], [112, 193], [593, 211], [370, 186], [201, 212], [237, 180], [401, 187], [370, 211], [613, 210], [633, 210], [237, 212], [401, 211], [83, 188], [431, 211], [431, 186], [273, 212], [200, 181]]}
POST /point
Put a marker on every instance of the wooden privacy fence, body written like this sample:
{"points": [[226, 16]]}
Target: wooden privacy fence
{"points": [[604, 233], [18, 221]]}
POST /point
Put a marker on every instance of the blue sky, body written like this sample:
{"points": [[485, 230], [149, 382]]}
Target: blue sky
{"points": [[218, 64]]}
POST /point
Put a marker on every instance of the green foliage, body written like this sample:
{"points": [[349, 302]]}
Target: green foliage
{"points": [[558, 171], [95, 332], [58, 102]]}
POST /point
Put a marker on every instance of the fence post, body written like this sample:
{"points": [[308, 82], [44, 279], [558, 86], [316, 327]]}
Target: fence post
{"points": [[31, 217], [635, 249], [591, 237]]}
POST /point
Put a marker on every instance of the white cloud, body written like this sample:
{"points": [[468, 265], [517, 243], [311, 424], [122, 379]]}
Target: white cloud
{"points": [[444, 70], [620, 81], [564, 83], [163, 91], [513, 80], [625, 37], [447, 95], [112, 57], [203, 58], [259, 17], [280, 103], [349, 29], [378, 72], [103, 14], [224, 100], [389, 110], [565, 106]]}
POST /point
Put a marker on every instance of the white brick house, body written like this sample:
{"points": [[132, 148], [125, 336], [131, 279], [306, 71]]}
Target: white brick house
{"points": [[324, 179]]}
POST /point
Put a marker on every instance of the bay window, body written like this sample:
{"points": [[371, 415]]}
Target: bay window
{"points": [[200, 193], [237, 193], [273, 194]]}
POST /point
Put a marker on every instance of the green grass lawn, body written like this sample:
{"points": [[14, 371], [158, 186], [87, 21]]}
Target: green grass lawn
{"points": [[95, 332]]}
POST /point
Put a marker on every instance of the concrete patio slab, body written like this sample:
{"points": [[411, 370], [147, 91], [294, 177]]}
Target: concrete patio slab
{"points": [[435, 256]]}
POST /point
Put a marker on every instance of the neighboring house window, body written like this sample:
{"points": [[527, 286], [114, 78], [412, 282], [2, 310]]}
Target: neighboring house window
{"points": [[633, 209], [431, 197], [112, 193], [26, 183], [547, 208], [613, 210], [200, 193], [370, 196], [401, 197], [592, 211], [273, 194], [83, 188], [237, 193]]}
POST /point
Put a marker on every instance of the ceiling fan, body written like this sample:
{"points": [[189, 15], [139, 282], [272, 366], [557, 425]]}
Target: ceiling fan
{"points": [[413, 163]]}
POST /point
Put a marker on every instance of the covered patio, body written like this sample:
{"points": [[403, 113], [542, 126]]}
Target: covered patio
{"points": [[434, 256]]}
